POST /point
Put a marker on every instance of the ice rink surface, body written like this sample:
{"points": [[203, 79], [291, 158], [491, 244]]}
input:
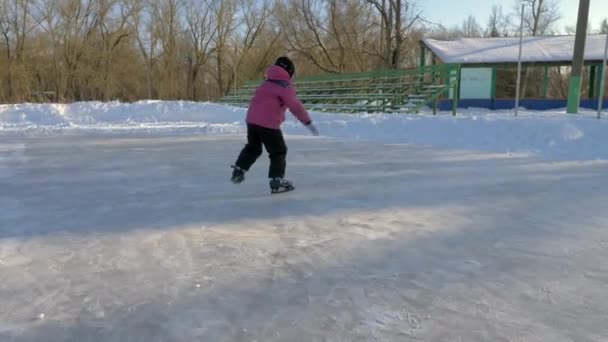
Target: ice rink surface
{"points": [[143, 238]]}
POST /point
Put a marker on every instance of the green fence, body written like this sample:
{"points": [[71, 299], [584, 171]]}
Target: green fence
{"points": [[389, 91]]}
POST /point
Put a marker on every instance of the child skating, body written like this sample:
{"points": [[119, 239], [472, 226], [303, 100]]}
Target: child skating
{"points": [[265, 115]]}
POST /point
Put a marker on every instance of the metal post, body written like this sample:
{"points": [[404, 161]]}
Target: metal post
{"points": [[521, 39], [598, 72], [493, 84], [546, 82], [422, 56], [456, 91], [574, 87], [592, 74], [493, 89], [600, 102]]}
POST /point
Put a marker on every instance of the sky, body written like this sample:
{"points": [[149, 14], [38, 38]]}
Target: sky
{"points": [[454, 12]]}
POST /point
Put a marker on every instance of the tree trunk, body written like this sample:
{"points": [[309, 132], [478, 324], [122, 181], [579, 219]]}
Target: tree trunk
{"points": [[9, 80], [149, 82], [194, 79], [220, 80], [396, 57], [389, 34]]}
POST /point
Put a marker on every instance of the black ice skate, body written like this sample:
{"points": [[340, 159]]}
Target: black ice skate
{"points": [[238, 175], [280, 185]]}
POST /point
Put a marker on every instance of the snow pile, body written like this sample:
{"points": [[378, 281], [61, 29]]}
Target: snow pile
{"points": [[143, 115], [554, 135]]}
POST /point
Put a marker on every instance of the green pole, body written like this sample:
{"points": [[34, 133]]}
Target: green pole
{"points": [[592, 72], [422, 65], [454, 102], [574, 87], [598, 81], [459, 79], [446, 79], [546, 82], [422, 56], [456, 91], [493, 89], [434, 70], [600, 72], [601, 87], [600, 102]]}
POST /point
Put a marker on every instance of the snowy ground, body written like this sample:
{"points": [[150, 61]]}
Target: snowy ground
{"points": [[552, 134], [139, 236]]}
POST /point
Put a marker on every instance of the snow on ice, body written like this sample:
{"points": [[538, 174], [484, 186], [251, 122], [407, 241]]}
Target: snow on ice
{"points": [[551, 134]]}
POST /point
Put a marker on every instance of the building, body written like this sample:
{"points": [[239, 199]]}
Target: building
{"points": [[483, 60]]}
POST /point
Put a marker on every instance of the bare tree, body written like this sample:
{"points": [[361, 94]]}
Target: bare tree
{"points": [[604, 26], [47, 15], [541, 16], [307, 23], [398, 20], [470, 28], [355, 25], [78, 22], [201, 28], [498, 23], [255, 14], [332, 35], [225, 18], [15, 25], [113, 30], [166, 18], [266, 48], [443, 33], [143, 25]]}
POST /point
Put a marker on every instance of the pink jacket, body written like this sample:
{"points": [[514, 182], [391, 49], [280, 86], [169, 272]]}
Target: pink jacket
{"points": [[272, 98]]}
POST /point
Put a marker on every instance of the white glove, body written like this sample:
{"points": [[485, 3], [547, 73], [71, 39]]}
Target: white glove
{"points": [[313, 129]]}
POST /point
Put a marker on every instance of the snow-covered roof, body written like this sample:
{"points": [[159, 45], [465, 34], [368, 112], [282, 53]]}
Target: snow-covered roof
{"points": [[548, 49]]}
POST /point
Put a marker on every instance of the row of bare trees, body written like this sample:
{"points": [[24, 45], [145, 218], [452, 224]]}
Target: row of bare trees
{"points": [[75, 50], [126, 49]]}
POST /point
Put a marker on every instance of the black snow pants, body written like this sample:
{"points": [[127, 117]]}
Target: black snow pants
{"points": [[273, 141]]}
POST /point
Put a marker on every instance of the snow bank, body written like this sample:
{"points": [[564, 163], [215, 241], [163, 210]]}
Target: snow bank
{"points": [[116, 116], [553, 135]]}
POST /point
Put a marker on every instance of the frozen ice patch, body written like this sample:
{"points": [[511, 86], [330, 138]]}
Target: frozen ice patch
{"points": [[571, 132], [10, 156]]}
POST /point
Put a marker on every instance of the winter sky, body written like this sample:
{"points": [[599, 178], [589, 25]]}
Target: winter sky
{"points": [[454, 12]]}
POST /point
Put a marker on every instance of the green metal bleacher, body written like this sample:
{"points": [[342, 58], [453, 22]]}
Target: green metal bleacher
{"points": [[389, 91]]}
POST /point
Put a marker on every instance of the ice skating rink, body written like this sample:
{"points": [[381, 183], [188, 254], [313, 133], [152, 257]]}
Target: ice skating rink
{"points": [[143, 238]]}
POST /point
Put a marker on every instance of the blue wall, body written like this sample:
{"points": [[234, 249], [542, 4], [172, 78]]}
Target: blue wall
{"points": [[531, 104]]}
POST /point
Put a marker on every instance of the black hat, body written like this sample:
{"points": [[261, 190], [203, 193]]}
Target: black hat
{"points": [[287, 64]]}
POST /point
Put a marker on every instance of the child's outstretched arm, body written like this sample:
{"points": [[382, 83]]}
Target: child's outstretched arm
{"points": [[297, 109], [295, 106]]}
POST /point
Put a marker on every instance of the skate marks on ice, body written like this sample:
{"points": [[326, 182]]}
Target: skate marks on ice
{"points": [[146, 240]]}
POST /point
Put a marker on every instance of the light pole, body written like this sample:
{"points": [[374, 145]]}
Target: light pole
{"points": [[521, 39], [574, 87], [600, 101]]}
